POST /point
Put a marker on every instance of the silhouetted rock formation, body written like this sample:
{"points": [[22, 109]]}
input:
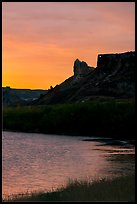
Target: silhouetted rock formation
{"points": [[113, 77], [81, 69]]}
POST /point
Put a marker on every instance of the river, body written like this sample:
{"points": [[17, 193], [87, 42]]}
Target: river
{"points": [[32, 161]]}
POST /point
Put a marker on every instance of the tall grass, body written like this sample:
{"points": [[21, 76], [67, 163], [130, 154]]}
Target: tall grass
{"points": [[118, 189], [110, 118]]}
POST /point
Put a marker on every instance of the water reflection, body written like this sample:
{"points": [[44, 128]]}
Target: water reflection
{"points": [[42, 162]]}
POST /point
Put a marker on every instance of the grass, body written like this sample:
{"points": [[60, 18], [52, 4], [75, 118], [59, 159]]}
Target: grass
{"points": [[107, 118], [117, 189]]}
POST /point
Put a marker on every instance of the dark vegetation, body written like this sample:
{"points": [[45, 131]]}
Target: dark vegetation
{"points": [[114, 118], [118, 189]]}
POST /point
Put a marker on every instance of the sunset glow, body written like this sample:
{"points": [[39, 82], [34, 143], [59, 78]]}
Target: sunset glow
{"points": [[41, 40]]}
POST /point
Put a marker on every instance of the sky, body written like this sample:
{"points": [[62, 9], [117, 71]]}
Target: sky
{"points": [[41, 40]]}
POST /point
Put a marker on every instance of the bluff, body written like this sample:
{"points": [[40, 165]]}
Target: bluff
{"points": [[114, 77]]}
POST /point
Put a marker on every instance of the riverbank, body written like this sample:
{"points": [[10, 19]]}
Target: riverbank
{"points": [[106, 118], [117, 189]]}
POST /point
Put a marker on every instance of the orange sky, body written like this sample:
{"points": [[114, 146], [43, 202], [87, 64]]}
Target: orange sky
{"points": [[41, 40]]}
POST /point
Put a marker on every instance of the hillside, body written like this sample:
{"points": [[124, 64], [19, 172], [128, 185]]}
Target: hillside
{"points": [[114, 77], [13, 97]]}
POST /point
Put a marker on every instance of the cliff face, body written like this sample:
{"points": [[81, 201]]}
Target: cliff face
{"points": [[118, 72], [113, 77], [107, 62]]}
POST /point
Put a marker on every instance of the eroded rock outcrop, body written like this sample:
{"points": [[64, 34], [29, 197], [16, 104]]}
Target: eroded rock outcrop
{"points": [[81, 68], [114, 77]]}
